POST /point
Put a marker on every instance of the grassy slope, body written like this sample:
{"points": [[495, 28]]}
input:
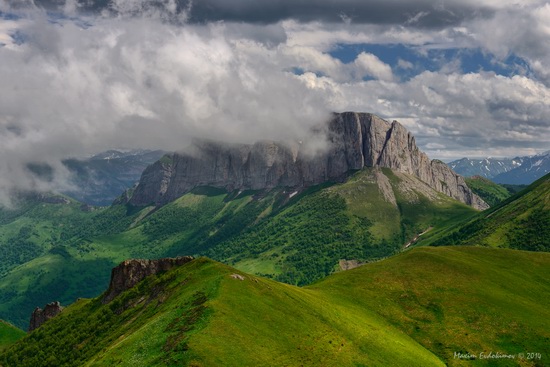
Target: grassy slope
{"points": [[303, 242], [198, 315], [457, 299], [9, 334], [296, 240], [520, 222], [384, 313], [492, 193]]}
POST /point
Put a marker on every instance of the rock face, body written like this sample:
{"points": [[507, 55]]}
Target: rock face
{"points": [[354, 141], [130, 272], [40, 316]]}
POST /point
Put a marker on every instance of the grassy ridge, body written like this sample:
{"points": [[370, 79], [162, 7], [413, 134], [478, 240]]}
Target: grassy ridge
{"points": [[521, 222], [199, 315], [415, 309]]}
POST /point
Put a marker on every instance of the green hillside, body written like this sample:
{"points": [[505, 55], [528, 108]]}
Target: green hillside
{"points": [[9, 334], [520, 222], [47, 254], [458, 299], [294, 237], [492, 193], [384, 313]]}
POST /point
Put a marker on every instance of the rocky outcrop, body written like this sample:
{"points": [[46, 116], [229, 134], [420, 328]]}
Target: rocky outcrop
{"points": [[40, 316], [354, 141], [349, 264], [130, 272]]}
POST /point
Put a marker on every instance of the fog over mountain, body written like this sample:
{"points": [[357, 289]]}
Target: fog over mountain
{"points": [[80, 77]]}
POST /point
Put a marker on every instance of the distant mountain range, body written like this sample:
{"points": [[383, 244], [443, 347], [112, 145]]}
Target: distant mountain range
{"points": [[513, 171], [102, 178]]}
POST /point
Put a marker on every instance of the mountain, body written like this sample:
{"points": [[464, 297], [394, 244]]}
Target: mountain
{"points": [[354, 141], [530, 170], [295, 237], [263, 214], [487, 167], [511, 171], [102, 178], [477, 301], [520, 222]]}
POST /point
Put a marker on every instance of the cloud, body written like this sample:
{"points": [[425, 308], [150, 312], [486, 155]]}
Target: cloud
{"points": [[520, 30], [477, 112], [421, 13], [405, 65], [371, 65], [141, 83], [155, 74]]}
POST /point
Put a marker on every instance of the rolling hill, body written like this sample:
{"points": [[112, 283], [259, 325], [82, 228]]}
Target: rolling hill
{"points": [[424, 307]]}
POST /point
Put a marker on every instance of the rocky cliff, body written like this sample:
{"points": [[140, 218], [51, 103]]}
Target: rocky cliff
{"points": [[40, 316], [354, 141], [130, 272]]}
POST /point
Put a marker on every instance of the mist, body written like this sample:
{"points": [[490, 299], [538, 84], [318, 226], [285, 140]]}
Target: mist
{"points": [[70, 90]]}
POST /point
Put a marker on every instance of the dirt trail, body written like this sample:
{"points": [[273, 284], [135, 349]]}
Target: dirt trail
{"points": [[417, 237]]}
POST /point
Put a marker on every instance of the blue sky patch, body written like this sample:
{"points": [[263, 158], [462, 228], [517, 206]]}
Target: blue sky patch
{"points": [[409, 61]]}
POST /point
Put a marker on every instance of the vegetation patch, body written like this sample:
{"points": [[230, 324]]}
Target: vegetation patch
{"points": [[492, 193], [522, 222]]}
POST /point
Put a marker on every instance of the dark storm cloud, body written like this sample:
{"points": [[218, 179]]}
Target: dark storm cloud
{"points": [[421, 13]]}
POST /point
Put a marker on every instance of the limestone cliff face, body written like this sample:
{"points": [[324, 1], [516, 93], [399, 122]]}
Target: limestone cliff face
{"points": [[130, 272], [40, 316], [354, 141]]}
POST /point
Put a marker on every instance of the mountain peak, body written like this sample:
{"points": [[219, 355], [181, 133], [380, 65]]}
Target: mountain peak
{"points": [[353, 141]]}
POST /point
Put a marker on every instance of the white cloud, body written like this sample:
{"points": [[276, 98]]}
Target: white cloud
{"points": [[405, 65], [371, 65]]}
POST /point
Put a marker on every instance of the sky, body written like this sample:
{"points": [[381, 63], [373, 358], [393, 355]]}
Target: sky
{"points": [[469, 78]]}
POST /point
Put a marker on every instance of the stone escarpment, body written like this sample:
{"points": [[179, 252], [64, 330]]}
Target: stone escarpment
{"points": [[354, 141], [40, 316], [130, 272]]}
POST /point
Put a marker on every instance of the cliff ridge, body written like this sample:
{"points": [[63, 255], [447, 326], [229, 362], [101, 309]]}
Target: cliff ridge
{"points": [[354, 141]]}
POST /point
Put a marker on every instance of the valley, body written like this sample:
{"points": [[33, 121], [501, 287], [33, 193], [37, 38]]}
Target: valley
{"points": [[296, 239]]}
